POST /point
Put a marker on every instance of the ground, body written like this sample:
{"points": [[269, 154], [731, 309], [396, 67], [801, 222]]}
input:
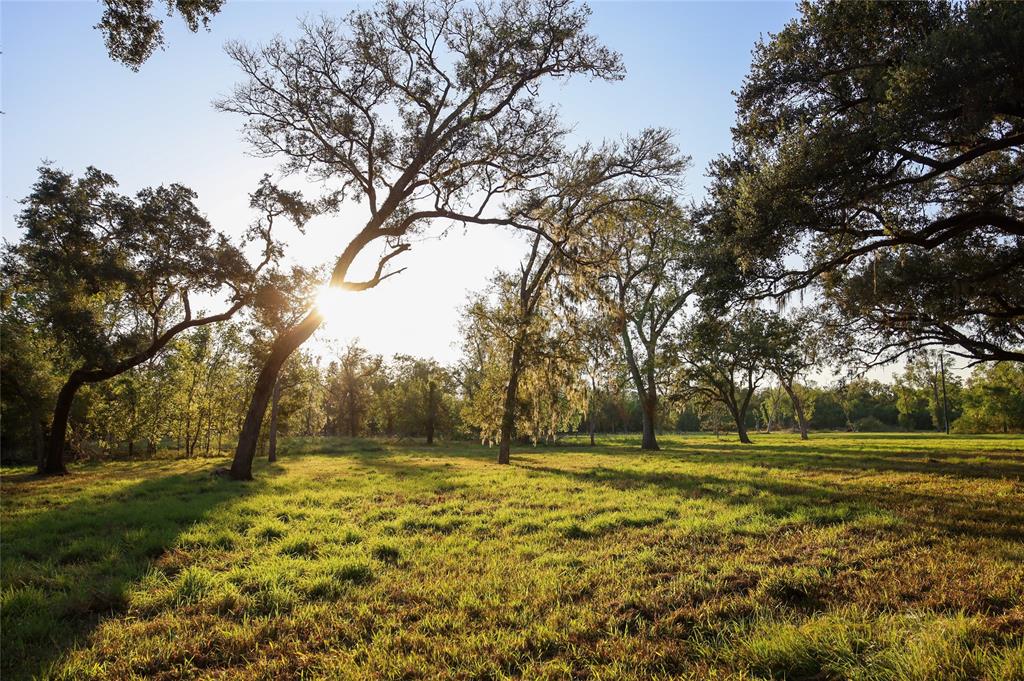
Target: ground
{"points": [[846, 557]]}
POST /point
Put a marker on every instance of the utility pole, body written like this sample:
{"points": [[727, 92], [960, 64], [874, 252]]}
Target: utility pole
{"points": [[945, 402]]}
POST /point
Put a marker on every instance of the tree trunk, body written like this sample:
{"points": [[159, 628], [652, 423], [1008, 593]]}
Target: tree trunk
{"points": [[739, 415], [431, 410], [284, 346], [353, 420], [742, 428], [649, 415], [801, 420], [798, 407], [508, 415], [591, 409], [945, 400], [53, 461], [274, 402]]}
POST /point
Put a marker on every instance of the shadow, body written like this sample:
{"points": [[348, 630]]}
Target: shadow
{"points": [[816, 473], [839, 459], [855, 455], [950, 513], [74, 545], [908, 454]]}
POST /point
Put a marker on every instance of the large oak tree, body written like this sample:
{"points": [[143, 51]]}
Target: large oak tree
{"points": [[878, 151], [114, 278], [421, 111]]}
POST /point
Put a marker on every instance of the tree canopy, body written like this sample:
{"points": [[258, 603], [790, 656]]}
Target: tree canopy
{"points": [[878, 152], [132, 32], [424, 111], [112, 279]]}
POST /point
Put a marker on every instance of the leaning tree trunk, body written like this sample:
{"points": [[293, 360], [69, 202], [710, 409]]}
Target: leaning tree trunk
{"points": [[274, 403], [508, 414], [649, 415], [248, 438], [801, 420], [798, 407], [52, 462]]}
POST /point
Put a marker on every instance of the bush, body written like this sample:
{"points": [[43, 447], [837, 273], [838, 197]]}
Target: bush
{"points": [[871, 424]]}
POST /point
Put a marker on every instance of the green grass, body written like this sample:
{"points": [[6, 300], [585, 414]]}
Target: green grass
{"points": [[845, 557]]}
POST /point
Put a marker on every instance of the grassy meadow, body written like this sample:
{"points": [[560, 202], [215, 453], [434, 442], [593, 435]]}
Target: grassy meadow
{"points": [[864, 556]]}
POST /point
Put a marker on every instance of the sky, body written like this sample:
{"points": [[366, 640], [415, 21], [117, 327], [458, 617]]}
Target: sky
{"points": [[64, 101]]}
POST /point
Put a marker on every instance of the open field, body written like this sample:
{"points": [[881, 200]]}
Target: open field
{"points": [[846, 557]]}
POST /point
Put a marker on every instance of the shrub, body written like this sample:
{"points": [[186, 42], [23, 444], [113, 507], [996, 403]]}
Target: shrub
{"points": [[871, 424]]}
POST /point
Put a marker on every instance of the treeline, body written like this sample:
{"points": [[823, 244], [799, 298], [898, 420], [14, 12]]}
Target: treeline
{"points": [[189, 401]]}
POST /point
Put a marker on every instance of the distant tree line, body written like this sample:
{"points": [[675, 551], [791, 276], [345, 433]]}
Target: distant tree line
{"points": [[187, 401]]}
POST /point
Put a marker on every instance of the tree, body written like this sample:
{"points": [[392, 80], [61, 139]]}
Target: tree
{"points": [[769, 406], [202, 373], [132, 32], [926, 396], [792, 348], [518, 321], [648, 273], [587, 187], [350, 391], [29, 374], [866, 404], [870, 160], [529, 374], [596, 334], [113, 276], [994, 399], [296, 393], [723, 359], [425, 112], [417, 399]]}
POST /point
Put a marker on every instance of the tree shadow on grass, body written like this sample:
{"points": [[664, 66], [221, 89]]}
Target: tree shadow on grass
{"points": [[953, 513], [838, 459], [918, 455], [73, 547], [927, 455]]}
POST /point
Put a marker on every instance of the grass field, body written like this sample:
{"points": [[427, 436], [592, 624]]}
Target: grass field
{"points": [[845, 557]]}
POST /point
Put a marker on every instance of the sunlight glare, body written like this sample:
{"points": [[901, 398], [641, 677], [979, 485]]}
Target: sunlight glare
{"points": [[330, 303]]}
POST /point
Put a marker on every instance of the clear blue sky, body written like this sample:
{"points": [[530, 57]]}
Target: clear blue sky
{"points": [[65, 101]]}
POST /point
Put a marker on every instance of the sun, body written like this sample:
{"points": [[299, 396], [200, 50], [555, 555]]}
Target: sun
{"points": [[330, 302]]}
